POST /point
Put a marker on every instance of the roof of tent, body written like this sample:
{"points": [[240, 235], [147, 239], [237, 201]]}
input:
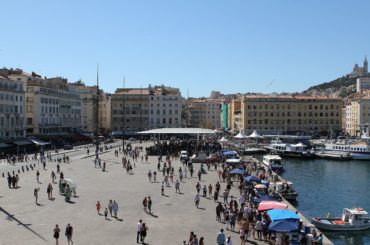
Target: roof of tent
{"points": [[277, 214], [240, 135], [284, 226], [178, 131], [255, 134]]}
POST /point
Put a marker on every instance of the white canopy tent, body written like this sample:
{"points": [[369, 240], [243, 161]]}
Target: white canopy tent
{"points": [[240, 135], [255, 135], [223, 140]]}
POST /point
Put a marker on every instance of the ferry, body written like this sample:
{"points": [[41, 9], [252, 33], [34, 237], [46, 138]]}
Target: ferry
{"points": [[273, 162], [355, 219], [290, 150], [358, 150]]}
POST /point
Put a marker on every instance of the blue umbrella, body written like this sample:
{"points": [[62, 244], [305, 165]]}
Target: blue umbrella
{"points": [[252, 178], [284, 226], [237, 171], [277, 214]]}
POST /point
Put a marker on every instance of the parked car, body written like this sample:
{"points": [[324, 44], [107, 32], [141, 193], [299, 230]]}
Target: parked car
{"points": [[184, 156]]}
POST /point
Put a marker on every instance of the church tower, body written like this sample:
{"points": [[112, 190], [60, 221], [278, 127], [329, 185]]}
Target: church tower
{"points": [[365, 66]]}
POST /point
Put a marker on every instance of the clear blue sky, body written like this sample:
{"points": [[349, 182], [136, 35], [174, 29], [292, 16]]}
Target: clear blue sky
{"points": [[230, 46]]}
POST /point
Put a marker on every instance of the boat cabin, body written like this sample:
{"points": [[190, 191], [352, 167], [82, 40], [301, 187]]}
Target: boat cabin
{"points": [[273, 161], [355, 216]]}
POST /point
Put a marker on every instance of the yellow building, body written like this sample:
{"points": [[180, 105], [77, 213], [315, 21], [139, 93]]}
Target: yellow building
{"points": [[288, 114], [357, 114], [205, 113]]}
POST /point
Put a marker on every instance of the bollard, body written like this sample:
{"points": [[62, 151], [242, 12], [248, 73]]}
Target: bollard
{"points": [[3, 175]]}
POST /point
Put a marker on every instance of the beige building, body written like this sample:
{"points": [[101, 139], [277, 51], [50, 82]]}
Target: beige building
{"points": [[89, 112], [235, 114], [205, 113], [357, 114], [146, 108], [288, 114], [53, 107], [12, 104]]}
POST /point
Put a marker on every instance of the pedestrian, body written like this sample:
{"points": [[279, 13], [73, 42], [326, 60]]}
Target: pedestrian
{"points": [[155, 176], [198, 187], [49, 190], [150, 205], [215, 196], [69, 233], [38, 176], [145, 203], [228, 241], [106, 214], [56, 234], [143, 232], [221, 237], [138, 231], [52, 176], [36, 194], [110, 206], [177, 186], [115, 208], [210, 191], [150, 175], [197, 200], [9, 181], [201, 241], [98, 206], [204, 191]]}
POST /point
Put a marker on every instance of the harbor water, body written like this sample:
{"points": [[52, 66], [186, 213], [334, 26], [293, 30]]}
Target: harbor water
{"points": [[328, 186]]}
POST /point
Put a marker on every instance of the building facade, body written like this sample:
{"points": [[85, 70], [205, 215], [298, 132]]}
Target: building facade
{"points": [[88, 96], [205, 113], [225, 115], [289, 114], [12, 105], [357, 115], [146, 108], [53, 107]]}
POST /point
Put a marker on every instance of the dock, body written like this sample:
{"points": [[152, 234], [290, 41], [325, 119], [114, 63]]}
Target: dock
{"points": [[306, 222]]}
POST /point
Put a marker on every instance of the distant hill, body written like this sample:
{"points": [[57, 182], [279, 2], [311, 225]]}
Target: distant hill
{"points": [[340, 87]]}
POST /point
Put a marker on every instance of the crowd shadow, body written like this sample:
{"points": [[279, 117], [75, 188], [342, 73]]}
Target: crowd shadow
{"points": [[11, 218]]}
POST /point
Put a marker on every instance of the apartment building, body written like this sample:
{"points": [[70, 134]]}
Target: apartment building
{"points": [[357, 114], [205, 113], [53, 107], [12, 104], [290, 114], [88, 96], [145, 108]]}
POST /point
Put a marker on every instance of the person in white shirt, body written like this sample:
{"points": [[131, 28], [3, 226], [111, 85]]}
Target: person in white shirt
{"points": [[228, 241], [138, 230]]}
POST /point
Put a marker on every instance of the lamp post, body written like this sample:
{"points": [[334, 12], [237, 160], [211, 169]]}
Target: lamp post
{"points": [[123, 113], [97, 115]]}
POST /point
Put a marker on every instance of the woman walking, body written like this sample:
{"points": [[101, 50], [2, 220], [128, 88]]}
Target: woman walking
{"points": [[143, 232], [56, 234], [98, 206]]}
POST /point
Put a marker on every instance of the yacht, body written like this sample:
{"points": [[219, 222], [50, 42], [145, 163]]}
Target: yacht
{"points": [[290, 150], [273, 162], [358, 150]]}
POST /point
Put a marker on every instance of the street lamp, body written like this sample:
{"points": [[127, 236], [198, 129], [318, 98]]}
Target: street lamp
{"points": [[97, 115], [123, 113]]}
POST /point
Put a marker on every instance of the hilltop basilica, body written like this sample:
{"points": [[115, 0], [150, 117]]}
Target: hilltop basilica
{"points": [[359, 71]]}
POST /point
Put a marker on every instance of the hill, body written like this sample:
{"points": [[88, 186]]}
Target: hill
{"points": [[340, 87]]}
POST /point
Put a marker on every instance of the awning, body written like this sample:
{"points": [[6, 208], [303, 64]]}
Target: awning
{"points": [[252, 178], [276, 214], [237, 171], [22, 142], [3, 145], [268, 205], [39, 142]]}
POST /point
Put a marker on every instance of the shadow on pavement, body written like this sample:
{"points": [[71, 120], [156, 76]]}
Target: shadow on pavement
{"points": [[11, 217]]}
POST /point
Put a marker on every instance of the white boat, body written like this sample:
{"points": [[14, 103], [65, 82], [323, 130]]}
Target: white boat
{"points": [[290, 150], [358, 150], [273, 162], [355, 219]]}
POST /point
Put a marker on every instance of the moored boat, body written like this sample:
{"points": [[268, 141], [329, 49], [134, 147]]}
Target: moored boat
{"points": [[273, 162], [354, 219], [299, 150]]}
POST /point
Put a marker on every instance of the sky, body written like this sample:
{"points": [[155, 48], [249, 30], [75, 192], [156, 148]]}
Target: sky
{"points": [[197, 46]]}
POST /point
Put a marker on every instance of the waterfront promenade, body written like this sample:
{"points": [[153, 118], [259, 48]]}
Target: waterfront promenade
{"points": [[174, 215]]}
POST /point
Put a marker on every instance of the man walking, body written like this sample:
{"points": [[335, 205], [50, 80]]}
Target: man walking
{"points": [[138, 231], [221, 237], [69, 233], [177, 186]]}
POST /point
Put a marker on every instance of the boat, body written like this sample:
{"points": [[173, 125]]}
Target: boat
{"points": [[285, 190], [357, 150], [338, 156], [252, 150], [354, 219], [299, 150], [273, 162]]}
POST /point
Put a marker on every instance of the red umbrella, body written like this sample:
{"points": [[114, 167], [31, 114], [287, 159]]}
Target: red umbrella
{"points": [[267, 205]]}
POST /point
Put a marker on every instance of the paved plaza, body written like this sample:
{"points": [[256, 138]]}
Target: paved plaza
{"points": [[174, 215]]}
